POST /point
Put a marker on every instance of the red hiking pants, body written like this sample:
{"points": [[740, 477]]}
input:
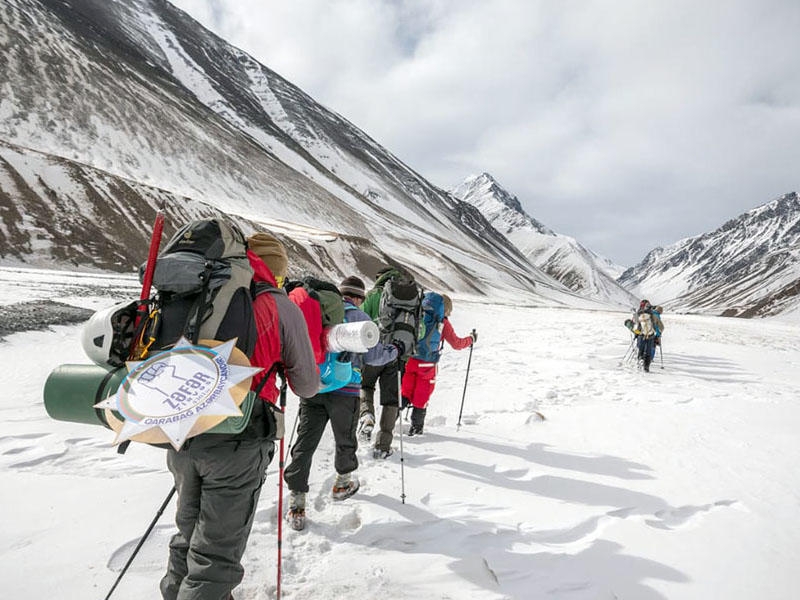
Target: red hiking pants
{"points": [[419, 380]]}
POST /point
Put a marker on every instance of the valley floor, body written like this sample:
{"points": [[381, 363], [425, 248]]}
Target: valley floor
{"points": [[678, 484]]}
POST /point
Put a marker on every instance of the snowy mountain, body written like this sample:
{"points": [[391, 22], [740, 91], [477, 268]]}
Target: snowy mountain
{"points": [[560, 256], [748, 267], [111, 107]]}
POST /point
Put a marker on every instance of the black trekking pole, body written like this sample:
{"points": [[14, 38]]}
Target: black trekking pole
{"points": [[280, 488], [141, 542], [466, 378], [294, 429], [400, 418], [629, 351]]}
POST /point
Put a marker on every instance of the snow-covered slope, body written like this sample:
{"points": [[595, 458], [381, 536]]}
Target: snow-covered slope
{"points": [[677, 484], [750, 266], [140, 96], [560, 256]]}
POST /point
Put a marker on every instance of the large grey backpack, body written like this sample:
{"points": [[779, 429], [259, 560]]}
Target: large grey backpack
{"points": [[203, 278], [399, 312]]}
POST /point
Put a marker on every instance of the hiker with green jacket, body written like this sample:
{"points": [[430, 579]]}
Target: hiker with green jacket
{"points": [[385, 374]]}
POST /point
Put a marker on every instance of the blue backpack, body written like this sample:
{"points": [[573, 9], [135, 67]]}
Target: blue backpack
{"points": [[338, 371], [429, 343]]}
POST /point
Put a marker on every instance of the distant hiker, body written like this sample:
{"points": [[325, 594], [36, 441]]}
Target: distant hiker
{"points": [[419, 378], [659, 326], [219, 477], [386, 374], [339, 406], [647, 326]]}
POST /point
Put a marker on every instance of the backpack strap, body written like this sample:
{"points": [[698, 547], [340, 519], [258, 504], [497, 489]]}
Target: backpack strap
{"points": [[276, 367]]}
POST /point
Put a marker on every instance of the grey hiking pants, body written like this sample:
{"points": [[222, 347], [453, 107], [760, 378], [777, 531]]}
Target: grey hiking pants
{"points": [[218, 484], [386, 375], [342, 412]]}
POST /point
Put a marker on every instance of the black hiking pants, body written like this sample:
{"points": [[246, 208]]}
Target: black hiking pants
{"points": [[342, 412], [386, 375]]}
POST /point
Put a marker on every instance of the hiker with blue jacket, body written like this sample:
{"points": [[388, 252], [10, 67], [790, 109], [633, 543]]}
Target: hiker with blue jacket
{"points": [[340, 406], [419, 378]]}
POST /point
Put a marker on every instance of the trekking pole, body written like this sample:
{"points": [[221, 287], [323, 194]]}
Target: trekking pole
{"points": [[629, 351], [400, 418], [294, 428], [466, 378], [661, 352], [141, 542], [280, 490]]}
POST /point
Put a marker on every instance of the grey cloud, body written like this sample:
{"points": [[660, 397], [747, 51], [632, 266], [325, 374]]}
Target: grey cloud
{"points": [[580, 108]]}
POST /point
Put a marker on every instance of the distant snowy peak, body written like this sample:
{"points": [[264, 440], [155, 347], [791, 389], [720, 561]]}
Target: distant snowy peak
{"points": [[560, 256], [499, 206], [749, 266]]}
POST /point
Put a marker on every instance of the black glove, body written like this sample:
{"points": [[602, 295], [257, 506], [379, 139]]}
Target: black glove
{"points": [[401, 347], [474, 336]]}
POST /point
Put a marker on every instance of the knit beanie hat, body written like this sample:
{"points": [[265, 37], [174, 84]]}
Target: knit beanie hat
{"points": [[271, 251], [352, 286], [448, 305]]}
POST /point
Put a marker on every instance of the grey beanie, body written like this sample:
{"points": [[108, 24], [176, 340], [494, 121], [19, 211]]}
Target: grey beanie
{"points": [[352, 286]]}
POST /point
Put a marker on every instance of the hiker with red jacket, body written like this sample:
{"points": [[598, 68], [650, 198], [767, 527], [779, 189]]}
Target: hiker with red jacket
{"points": [[219, 477], [419, 378]]}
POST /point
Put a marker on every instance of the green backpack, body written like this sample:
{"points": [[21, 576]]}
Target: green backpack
{"points": [[329, 298]]}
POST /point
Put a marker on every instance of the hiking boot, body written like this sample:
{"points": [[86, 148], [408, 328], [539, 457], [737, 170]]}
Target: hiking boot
{"points": [[380, 453], [365, 426], [297, 499], [417, 421], [296, 518], [344, 487]]}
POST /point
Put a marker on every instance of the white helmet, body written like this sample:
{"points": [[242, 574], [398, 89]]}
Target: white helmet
{"points": [[102, 333]]}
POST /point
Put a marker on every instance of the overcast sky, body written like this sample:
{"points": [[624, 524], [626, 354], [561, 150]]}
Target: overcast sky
{"points": [[627, 124]]}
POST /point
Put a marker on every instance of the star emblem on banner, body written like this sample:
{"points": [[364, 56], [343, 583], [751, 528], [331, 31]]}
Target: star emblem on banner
{"points": [[172, 389]]}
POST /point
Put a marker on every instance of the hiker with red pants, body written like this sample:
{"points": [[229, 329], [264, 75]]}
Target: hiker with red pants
{"points": [[419, 378]]}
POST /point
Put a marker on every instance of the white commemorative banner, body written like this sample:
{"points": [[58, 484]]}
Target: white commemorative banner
{"points": [[181, 392]]}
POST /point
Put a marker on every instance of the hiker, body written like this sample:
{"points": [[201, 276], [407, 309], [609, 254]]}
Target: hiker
{"points": [[419, 378], [385, 374], [659, 327], [219, 477], [647, 324], [340, 407]]}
